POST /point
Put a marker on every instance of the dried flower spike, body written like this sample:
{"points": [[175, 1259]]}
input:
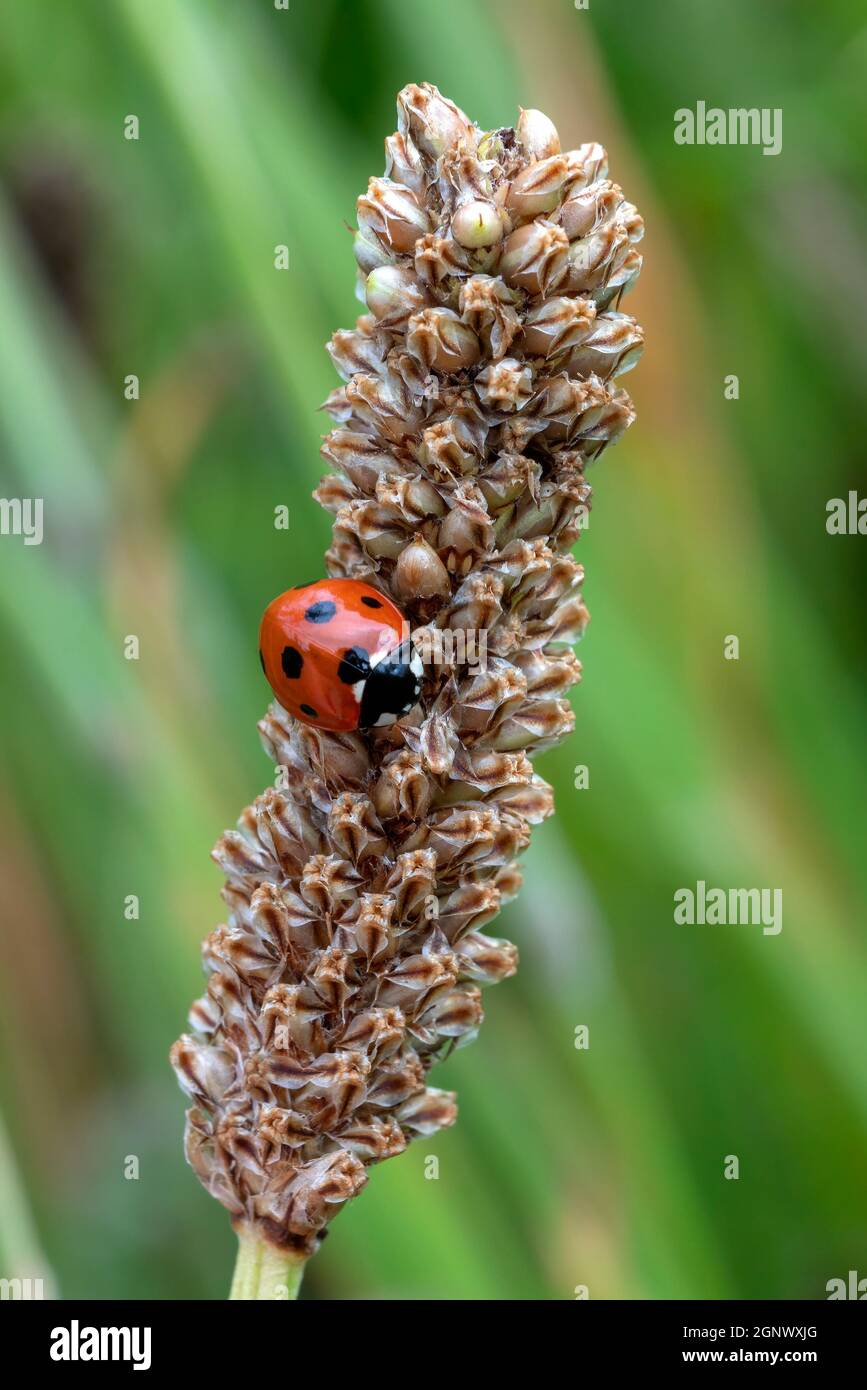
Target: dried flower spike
{"points": [[476, 389]]}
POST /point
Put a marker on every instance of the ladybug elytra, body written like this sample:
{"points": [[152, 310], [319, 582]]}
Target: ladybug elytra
{"points": [[337, 655]]}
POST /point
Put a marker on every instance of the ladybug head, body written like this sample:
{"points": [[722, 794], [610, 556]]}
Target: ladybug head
{"points": [[390, 686]]}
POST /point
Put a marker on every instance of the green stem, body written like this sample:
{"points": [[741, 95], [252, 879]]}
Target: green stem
{"points": [[262, 1271]]}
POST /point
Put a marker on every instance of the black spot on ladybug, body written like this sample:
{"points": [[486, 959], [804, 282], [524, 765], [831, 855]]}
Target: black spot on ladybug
{"points": [[370, 602], [309, 711], [354, 667], [262, 661], [321, 612], [291, 661]]}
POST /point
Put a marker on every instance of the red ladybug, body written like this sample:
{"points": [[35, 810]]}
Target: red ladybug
{"points": [[337, 655]]}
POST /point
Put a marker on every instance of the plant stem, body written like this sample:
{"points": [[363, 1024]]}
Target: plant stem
{"points": [[264, 1272]]}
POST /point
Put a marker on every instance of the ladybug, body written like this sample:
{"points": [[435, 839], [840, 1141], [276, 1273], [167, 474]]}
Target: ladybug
{"points": [[337, 655]]}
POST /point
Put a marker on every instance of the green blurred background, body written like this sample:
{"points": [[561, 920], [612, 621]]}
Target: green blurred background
{"points": [[259, 127]]}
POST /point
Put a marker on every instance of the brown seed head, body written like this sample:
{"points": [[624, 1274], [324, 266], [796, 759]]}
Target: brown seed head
{"points": [[475, 390]]}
